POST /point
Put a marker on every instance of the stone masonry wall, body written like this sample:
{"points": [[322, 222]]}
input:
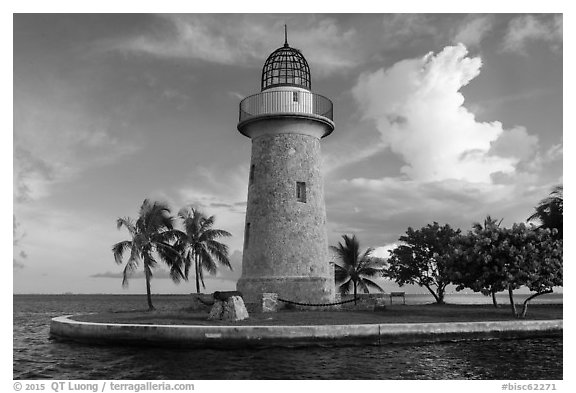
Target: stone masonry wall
{"points": [[285, 249]]}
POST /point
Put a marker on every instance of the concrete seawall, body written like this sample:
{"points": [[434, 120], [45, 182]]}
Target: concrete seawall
{"points": [[65, 328]]}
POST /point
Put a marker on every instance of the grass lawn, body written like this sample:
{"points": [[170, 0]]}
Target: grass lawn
{"points": [[393, 314]]}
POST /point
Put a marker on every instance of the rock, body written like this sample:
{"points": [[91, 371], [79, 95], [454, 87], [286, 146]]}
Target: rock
{"points": [[231, 309], [216, 311], [269, 302]]}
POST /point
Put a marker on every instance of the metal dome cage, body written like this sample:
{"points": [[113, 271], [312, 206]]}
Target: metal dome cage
{"points": [[286, 66]]}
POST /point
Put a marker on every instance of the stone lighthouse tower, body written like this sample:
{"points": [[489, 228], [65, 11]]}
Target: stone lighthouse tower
{"points": [[285, 243]]}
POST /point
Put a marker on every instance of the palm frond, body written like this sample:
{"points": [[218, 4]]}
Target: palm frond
{"points": [[154, 217], [135, 253], [362, 286], [207, 222], [176, 274], [340, 273], [220, 252], [207, 261], [372, 284], [345, 287], [187, 258], [164, 236], [168, 253], [367, 256], [128, 223], [119, 248], [211, 234], [149, 263], [370, 271], [201, 276], [127, 272]]}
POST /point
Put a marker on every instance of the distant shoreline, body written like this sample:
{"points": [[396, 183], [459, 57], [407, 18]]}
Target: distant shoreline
{"points": [[555, 294]]}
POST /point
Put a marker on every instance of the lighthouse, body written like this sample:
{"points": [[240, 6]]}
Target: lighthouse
{"points": [[285, 241]]}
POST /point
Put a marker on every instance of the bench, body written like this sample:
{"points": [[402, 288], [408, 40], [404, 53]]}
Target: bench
{"points": [[397, 294]]}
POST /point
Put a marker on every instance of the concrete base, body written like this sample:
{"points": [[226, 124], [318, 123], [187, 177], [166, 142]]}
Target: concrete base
{"points": [[65, 328], [299, 289]]}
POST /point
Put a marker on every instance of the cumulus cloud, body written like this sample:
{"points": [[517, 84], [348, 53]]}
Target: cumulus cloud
{"points": [[457, 169], [523, 30], [552, 156], [419, 112], [517, 143], [472, 30], [246, 39], [384, 251]]}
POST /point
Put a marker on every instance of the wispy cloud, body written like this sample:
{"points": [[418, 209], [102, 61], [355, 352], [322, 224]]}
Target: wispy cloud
{"points": [[380, 210], [473, 29], [246, 39], [401, 28], [52, 146], [220, 194], [523, 30], [344, 156], [17, 237], [209, 187]]}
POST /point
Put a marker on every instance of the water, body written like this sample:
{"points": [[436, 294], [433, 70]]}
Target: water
{"points": [[37, 357]]}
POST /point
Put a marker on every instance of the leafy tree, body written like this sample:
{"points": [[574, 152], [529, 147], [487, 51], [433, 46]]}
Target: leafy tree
{"points": [[198, 245], [355, 267], [423, 257], [536, 262], [151, 235], [495, 258], [549, 211], [467, 270], [489, 222]]}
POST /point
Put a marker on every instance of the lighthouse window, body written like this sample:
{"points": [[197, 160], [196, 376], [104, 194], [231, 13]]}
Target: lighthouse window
{"points": [[251, 174], [247, 235], [295, 96], [301, 191]]}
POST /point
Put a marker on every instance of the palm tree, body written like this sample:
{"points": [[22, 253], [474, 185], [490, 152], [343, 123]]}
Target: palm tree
{"points": [[355, 268], [198, 245], [550, 211], [151, 236]]}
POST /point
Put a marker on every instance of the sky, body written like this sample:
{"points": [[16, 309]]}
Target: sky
{"points": [[439, 117]]}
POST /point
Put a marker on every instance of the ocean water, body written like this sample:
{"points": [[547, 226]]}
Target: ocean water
{"points": [[35, 356]]}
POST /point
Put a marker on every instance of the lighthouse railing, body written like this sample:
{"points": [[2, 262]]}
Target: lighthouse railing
{"points": [[285, 101]]}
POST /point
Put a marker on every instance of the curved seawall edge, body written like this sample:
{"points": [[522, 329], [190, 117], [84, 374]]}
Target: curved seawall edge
{"points": [[65, 328]]}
